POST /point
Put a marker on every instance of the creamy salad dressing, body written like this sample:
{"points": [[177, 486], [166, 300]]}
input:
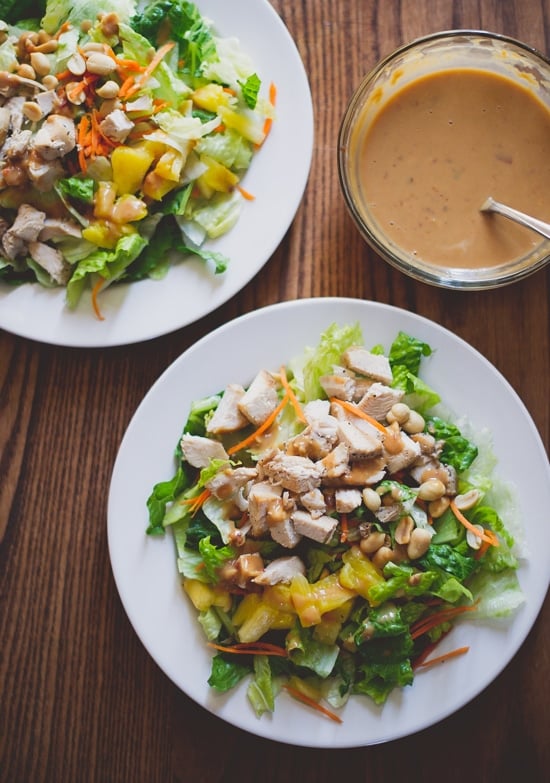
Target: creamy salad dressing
{"points": [[438, 147]]}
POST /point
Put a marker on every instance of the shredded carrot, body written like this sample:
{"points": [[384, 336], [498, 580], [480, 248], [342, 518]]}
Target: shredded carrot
{"points": [[312, 703], [487, 535], [426, 624], [252, 648], [272, 94], [95, 291], [268, 122], [261, 429], [293, 399], [245, 194], [196, 502], [442, 658], [482, 549], [345, 528], [63, 29], [349, 406], [62, 75], [229, 90], [146, 73], [83, 129]]}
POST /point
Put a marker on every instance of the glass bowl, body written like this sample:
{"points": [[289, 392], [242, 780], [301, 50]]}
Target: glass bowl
{"points": [[414, 176]]}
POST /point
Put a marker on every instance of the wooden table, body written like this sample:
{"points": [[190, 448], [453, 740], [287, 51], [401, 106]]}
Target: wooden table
{"points": [[80, 698]]}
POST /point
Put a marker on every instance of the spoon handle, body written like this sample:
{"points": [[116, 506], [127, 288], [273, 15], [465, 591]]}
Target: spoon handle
{"points": [[519, 217]]}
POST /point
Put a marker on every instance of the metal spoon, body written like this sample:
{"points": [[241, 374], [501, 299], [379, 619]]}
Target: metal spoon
{"points": [[519, 217]]}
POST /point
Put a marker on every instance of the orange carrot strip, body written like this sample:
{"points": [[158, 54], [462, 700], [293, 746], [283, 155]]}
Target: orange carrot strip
{"points": [[142, 78], [245, 194], [261, 429], [254, 648], [66, 74], [426, 624], [487, 535], [441, 658], [349, 406], [272, 94], [196, 502], [95, 291], [83, 129], [293, 399], [312, 703]]}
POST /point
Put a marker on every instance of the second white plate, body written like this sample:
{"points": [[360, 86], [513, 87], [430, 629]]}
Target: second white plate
{"points": [[145, 568]]}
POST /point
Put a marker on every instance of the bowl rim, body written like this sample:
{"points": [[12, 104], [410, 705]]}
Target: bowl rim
{"points": [[440, 276]]}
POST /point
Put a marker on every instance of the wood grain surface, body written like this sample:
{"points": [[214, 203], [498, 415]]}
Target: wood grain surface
{"points": [[80, 699]]}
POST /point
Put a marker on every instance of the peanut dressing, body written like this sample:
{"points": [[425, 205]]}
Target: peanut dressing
{"points": [[437, 149]]}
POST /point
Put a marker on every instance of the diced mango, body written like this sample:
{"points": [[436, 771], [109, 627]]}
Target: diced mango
{"points": [[101, 233], [170, 165], [242, 124], [104, 199], [157, 187], [258, 623], [128, 209], [211, 97], [130, 165], [201, 594], [358, 572], [217, 176], [331, 623]]}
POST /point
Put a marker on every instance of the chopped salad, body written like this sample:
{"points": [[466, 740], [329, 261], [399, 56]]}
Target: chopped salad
{"points": [[125, 132], [332, 525]]}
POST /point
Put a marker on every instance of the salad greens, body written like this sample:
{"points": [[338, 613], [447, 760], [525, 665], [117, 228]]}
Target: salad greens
{"points": [[125, 132], [355, 607]]}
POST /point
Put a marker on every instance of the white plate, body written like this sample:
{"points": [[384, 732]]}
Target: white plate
{"points": [[277, 178], [145, 569]]}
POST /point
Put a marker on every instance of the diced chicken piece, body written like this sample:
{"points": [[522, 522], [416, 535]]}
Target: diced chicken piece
{"points": [[55, 138], [379, 399], [297, 474], [361, 473], [15, 107], [361, 445], [285, 534], [199, 451], [316, 441], [55, 228], [260, 399], [43, 173], [261, 499], [50, 259], [17, 144], [340, 386], [370, 364], [227, 417], [116, 125], [404, 451], [48, 101], [314, 501], [316, 410], [357, 420], [317, 528], [227, 483], [249, 566], [336, 463], [347, 500], [25, 228], [280, 571]]}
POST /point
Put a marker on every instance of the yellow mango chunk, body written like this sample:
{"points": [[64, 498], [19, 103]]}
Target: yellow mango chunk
{"points": [[170, 165], [130, 165], [202, 595], [358, 573], [128, 209], [242, 124], [104, 199], [217, 176], [157, 187], [102, 234], [211, 97]]}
